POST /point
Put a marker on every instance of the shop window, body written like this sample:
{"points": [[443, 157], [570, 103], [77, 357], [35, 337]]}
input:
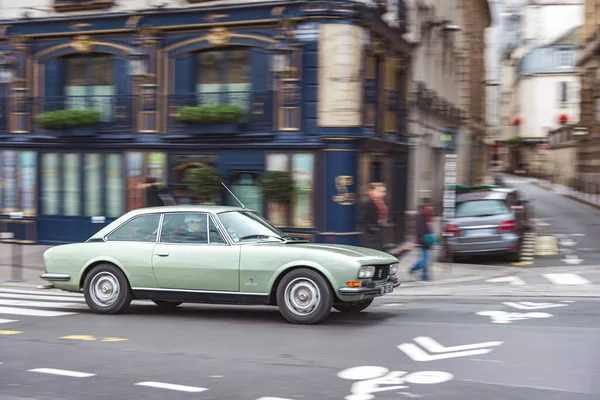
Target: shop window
{"points": [[18, 182], [244, 187], [50, 184], [90, 84], [71, 181], [142, 167], [139, 229], [300, 213], [93, 184], [223, 77], [115, 204]]}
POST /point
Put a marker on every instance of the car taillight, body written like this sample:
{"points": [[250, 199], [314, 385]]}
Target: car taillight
{"points": [[507, 226], [452, 229]]}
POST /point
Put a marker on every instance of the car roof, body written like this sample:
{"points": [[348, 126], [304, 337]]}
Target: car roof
{"points": [[182, 208], [492, 195]]}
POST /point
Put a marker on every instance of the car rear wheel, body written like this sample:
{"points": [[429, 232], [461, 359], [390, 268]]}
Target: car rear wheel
{"points": [[106, 290], [167, 304], [353, 307], [304, 297]]}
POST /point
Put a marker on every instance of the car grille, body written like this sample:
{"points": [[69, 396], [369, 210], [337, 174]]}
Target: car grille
{"points": [[381, 272]]}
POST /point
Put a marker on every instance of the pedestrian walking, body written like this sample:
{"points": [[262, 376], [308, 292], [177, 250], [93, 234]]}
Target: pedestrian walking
{"points": [[156, 193], [375, 214], [425, 240]]}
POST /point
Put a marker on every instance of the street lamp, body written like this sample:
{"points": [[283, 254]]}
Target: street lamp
{"points": [[138, 64], [281, 57]]}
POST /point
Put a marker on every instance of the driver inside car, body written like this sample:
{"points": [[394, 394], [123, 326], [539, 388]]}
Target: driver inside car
{"points": [[195, 230]]}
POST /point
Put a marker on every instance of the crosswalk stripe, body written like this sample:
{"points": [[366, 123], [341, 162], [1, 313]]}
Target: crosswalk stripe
{"points": [[41, 304], [32, 312], [41, 292], [566, 279], [6, 321], [39, 297]]}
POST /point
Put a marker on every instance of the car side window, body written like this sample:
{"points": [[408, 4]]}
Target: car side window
{"points": [[143, 228], [215, 235], [190, 228]]}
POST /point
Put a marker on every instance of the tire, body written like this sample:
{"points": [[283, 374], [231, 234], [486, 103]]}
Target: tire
{"points": [[99, 290], [353, 307], [305, 284], [167, 304]]}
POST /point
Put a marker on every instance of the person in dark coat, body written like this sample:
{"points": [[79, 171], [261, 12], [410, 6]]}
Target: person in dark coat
{"points": [[422, 229], [154, 192], [375, 215]]}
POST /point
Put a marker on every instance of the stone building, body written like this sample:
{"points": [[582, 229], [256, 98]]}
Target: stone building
{"points": [[588, 62]]}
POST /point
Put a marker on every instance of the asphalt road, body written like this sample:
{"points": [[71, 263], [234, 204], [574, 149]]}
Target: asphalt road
{"points": [[222, 352], [565, 230]]}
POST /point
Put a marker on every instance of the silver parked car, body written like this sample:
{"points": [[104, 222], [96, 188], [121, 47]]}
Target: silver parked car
{"points": [[488, 222]]}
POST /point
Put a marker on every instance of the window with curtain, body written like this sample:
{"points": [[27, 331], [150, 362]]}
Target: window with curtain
{"points": [[223, 77], [115, 204], [71, 182], [50, 184], [90, 84], [93, 184], [244, 187]]}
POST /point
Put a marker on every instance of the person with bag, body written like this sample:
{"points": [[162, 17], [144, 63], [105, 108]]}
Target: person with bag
{"points": [[425, 239]]}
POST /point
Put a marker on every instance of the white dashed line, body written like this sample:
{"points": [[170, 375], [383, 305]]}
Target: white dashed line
{"points": [[45, 293], [566, 279], [62, 372], [40, 297], [170, 386], [32, 313]]}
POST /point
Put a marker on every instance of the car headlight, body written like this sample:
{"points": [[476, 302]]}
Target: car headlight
{"points": [[394, 268], [366, 272]]}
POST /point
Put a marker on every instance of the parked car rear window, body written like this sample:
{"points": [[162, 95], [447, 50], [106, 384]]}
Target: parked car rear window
{"points": [[480, 208]]}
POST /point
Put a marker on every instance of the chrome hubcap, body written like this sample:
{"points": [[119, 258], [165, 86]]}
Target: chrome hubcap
{"points": [[104, 289], [302, 296]]}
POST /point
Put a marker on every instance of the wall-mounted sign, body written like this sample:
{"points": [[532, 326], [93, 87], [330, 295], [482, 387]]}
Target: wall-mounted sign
{"points": [[340, 81], [344, 197], [448, 138]]}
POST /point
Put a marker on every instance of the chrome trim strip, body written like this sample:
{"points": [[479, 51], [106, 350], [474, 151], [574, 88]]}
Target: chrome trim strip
{"points": [[199, 291], [55, 277], [160, 225]]}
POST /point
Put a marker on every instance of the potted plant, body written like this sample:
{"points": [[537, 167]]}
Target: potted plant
{"points": [[204, 183], [277, 186], [217, 118], [70, 122]]}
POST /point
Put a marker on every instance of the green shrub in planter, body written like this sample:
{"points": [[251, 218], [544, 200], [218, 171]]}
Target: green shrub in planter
{"points": [[204, 183], [211, 114], [61, 119], [277, 186]]}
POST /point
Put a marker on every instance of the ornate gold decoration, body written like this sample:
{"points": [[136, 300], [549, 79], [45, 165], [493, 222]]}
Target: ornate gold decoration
{"points": [[133, 21], [277, 10], [82, 44], [80, 26], [219, 36], [214, 17]]}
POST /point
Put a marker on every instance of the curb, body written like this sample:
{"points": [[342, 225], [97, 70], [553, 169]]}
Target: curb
{"points": [[568, 196], [505, 271]]}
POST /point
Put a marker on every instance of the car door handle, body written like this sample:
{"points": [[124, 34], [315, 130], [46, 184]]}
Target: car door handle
{"points": [[162, 254]]}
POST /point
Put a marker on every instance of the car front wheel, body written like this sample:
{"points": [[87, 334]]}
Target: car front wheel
{"points": [[106, 290], [353, 307], [304, 297]]}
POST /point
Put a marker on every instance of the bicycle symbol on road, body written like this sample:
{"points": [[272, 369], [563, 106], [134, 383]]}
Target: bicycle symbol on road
{"points": [[373, 379]]}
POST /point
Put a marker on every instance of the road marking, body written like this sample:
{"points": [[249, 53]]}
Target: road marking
{"points": [[33, 313], [503, 317], [546, 246], [46, 293], [6, 321], [113, 339], [527, 305], [418, 354], [63, 372], [39, 297], [41, 304], [527, 258], [521, 263], [170, 386], [566, 279], [79, 337], [572, 259], [9, 332], [514, 280]]}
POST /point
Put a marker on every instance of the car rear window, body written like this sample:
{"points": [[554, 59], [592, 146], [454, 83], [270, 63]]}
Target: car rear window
{"points": [[480, 208]]}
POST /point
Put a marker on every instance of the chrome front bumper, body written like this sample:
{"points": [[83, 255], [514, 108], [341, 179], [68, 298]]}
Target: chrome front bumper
{"points": [[55, 277], [375, 289]]}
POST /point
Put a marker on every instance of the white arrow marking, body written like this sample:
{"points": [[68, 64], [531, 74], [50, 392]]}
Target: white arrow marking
{"points": [[418, 354], [526, 305], [568, 242], [514, 280], [572, 259], [434, 347]]}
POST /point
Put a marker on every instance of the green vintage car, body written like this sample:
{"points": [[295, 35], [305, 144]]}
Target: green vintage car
{"points": [[221, 255]]}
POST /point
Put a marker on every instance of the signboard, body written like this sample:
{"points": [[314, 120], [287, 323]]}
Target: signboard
{"points": [[448, 137]]}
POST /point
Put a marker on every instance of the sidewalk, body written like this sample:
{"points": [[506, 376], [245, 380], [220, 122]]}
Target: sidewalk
{"points": [[566, 191], [31, 267]]}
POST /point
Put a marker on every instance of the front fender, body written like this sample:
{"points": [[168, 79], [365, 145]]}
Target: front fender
{"points": [[303, 264], [104, 259]]}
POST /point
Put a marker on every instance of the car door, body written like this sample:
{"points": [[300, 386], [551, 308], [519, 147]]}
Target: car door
{"points": [[192, 254]]}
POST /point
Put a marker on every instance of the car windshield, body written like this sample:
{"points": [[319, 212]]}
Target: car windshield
{"points": [[248, 225], [480, 208]]}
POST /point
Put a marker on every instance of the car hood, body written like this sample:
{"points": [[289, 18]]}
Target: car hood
{"points": [[355, 252]]}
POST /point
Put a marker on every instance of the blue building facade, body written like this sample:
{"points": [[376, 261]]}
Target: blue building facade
{"points": [[322, 86]]}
